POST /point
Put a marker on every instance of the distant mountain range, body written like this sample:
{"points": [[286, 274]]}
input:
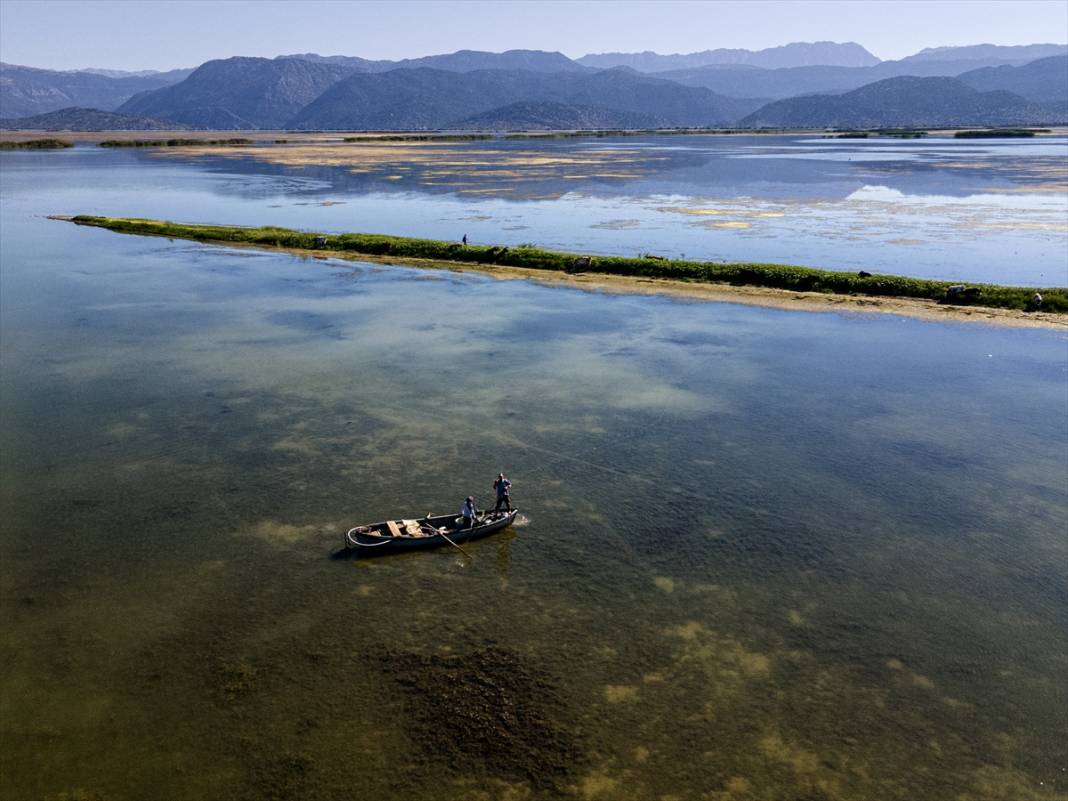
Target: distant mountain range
{"points": [[460, 61], [819, 84], [797, 54], [173, 76], [906, 102], [25, 91], [88, 119], [546, 115], [1009, 54], [425, 99], [239, 93], [828, 54], [1043, 81], [738, 81]]}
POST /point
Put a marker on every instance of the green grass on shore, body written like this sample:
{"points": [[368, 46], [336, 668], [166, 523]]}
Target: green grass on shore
{"points": [[172, 142], [36, 144], [779, 276]]}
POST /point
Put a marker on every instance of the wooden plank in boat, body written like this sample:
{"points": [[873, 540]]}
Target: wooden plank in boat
{"points": [[393, 530]]}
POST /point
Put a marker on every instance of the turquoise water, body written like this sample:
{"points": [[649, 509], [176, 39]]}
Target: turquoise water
{"points": [[763, 554]]}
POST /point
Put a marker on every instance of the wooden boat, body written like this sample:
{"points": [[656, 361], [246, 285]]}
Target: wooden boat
{"points": [[427, 532]]}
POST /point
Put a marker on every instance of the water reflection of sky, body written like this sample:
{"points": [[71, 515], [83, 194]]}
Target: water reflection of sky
{"points": [[953, 209]]}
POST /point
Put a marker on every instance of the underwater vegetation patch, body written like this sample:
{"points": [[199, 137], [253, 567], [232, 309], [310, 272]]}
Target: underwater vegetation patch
{"points": [[236, 677], [281, 777], [486, 708]]}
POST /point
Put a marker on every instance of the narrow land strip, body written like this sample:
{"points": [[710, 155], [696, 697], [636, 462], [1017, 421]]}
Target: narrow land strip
{"points": [[781, 286]]}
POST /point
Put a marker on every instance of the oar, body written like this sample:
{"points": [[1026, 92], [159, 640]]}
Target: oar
{"points": [[445, 537]]}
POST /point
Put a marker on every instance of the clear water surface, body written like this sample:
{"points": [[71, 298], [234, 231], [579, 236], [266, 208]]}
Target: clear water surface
{"points": [[764, 554], [967, 210]]}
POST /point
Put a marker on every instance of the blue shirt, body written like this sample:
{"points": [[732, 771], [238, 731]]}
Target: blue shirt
{"points": [[468, 510], [502, 485]]}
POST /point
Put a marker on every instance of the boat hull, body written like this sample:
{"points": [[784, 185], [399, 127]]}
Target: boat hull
{"points": [[368, 542]]}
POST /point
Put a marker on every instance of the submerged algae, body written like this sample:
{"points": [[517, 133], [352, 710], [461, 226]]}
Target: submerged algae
{"points": [[486, 708]]}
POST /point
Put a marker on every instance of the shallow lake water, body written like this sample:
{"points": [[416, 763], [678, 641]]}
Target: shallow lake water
{"points": [[762, 555], [971, 210]]}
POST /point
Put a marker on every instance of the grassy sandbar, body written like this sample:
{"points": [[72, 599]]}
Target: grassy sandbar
{"points": [[776, 276]]}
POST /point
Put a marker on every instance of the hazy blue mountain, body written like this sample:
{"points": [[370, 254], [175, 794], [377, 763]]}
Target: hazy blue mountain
{"points": [[471, 60], [1044, 81], [903, 102], [407, 99], [354, 63], [735, 80], [741, 81], [172, 76], [88, 119], [546, 115], [460, 61], [26, 91], [239, 93], [796, 54], [423, 98], [533, 88], [991, 55]]}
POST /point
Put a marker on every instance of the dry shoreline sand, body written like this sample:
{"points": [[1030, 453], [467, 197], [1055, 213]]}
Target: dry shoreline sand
{"points": [[709, 292]]}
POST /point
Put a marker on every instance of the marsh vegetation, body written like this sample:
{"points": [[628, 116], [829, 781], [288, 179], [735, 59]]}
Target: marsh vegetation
{"points": [[36, 144], [1000, 133], [174, 142]]}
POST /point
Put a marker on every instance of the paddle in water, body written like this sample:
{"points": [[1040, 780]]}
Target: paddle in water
{"points": [[445, 537]]}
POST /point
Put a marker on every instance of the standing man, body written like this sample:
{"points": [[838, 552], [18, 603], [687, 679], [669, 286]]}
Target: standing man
{"points": [[501, 485], [468, 513]]}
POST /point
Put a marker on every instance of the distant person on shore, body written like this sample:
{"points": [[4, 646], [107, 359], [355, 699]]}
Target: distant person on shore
{"points": [[468, 513], [501, 485], [464, 240]]}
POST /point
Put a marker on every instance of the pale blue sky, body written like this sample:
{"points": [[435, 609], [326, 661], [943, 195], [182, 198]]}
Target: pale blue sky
{"points": [[163, 34]]}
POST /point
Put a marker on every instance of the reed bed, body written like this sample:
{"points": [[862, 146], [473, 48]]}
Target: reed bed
{"points": [[36, 144], [173, 142]]}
